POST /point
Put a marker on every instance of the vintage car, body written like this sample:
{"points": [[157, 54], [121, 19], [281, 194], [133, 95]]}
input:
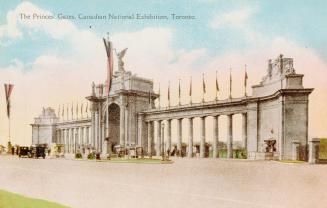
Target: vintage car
{"points": [[37, 151], [24, 152]]}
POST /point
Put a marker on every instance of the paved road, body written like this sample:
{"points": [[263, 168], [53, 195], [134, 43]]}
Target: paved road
{"points": [[186, 183]]}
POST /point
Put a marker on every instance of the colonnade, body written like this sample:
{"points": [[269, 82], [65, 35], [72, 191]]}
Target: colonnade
{"points": [[75, 138], [190, 152]]}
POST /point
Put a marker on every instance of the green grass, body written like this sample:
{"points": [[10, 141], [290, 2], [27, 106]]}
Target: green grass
{"points": [[11, 200], [323, 149], [139, 160], [291, 161]]}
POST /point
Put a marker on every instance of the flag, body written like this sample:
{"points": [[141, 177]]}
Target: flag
{"points": [[169, 91], [179, 89], [67, 111], [245, 77], [59, 111], [82, 109], [63, 112], [72, 110], [8, 91], [190, 93], [77, 110], [203, 84], [217, 86], [110, 64], [230, 82]]}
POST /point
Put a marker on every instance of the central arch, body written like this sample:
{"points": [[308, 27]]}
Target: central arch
{"points": [[114, 125]]}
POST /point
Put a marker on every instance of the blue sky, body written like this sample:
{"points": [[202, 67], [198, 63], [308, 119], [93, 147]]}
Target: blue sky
{"points": [[303, 22]]}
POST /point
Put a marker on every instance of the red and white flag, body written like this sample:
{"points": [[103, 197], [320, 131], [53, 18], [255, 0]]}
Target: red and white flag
{"points": [[110, 64], [8, 90]]}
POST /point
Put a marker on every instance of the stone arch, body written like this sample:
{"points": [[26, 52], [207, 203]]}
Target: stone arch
{"points": [[114, 125]]}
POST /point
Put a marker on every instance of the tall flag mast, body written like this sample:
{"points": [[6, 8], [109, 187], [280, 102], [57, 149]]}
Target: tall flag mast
{"points": [[179, 91], [217, 87], [159, 97], [63, 112], [169, 94], [8, 90], [190, 93], [230, 82], [245, 81], [67, 111], [203, 87]]}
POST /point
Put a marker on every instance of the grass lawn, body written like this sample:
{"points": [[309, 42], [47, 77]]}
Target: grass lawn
{"points": [[291, 161], [11, 200], [139, 160]]}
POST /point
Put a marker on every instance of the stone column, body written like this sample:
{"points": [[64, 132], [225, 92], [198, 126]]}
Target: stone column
{"points": [[126, 127], [169, 134], [158, 153], [190, 138], [150, 139], [295, 150], [62, 136], [97, 131], [203, 137], [179, 135], [230, 136], [215, 150], [314, 151], [122, 126], [244, 131], [93, 124], [140, 139]]}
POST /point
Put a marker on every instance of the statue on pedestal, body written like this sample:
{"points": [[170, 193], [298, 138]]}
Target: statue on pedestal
{"points": [[120, 56]]}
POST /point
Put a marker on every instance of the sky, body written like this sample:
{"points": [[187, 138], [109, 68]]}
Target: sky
{"points": [[53, 62]]}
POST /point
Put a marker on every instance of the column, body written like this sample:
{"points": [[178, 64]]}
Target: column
{"points": [[314, 150], [158, 150], [163, 139], [122, 126], [169, 135], [203, 137], [150, 139], [93, 124], [190, 138], [140, 139], [179, 135], [215, 149], [96, 131], [62, 136], [230, 136], [244, 131]]}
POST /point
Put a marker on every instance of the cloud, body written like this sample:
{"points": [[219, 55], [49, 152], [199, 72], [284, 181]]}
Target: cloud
{"points": [[233, 19]]}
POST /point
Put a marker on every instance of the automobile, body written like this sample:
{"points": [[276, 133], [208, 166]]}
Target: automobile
{"points": [[38, 151], [23, 151]]}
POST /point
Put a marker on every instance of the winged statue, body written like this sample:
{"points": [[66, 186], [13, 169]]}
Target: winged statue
{"points": [[120, 56]]}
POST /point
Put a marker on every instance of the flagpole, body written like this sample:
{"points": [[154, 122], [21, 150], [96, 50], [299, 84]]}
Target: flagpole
{"points": [[191, 90], [230, 82], [179, 92], [216, 87], [169, 94], [159, 97], [245, 81], [203, 87]]}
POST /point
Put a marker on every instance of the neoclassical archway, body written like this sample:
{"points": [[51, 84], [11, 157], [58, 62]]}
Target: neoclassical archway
{"points": [[114, 124]]}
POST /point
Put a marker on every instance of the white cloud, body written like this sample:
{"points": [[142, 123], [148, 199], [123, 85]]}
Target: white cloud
{"points": [[235, 18]]}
